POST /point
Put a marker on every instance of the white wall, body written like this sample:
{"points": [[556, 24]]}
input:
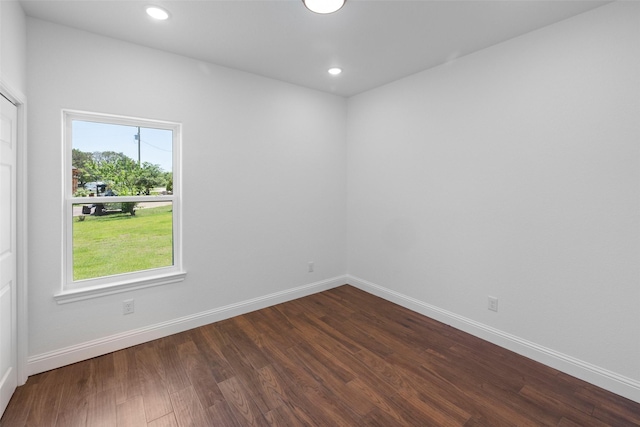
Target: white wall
{"points": [[13, 45], [263, 184], [512, 172]]}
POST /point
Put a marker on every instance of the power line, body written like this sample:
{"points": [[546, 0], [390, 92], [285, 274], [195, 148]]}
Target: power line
{"points": [[157, 148]]}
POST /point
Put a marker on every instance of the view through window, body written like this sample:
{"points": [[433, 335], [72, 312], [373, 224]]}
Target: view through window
{"points": [[122, 198]]}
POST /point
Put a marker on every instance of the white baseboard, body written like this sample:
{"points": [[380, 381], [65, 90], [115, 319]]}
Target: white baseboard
{"points": [[588, 372], [83, 351]]}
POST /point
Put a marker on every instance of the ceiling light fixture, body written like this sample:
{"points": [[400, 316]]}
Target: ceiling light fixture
{"points": [[324, 6], [157, 13], [334, 71]]}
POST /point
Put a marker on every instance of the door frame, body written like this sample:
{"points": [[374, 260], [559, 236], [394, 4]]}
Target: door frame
{"points": [[20, 100]]}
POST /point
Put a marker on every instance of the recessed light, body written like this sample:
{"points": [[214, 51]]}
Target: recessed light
{"points": [[157, 13], [334, 71], [324, 6]]}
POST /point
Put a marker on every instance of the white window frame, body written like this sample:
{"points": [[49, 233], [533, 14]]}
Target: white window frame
{"points": [[92, 288]]}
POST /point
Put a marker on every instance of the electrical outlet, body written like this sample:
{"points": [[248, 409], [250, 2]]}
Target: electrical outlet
{"points": [[493, 303], [311, 267], [127, 306]]}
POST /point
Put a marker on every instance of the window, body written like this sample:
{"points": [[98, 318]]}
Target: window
{"points": [[121, 204]]}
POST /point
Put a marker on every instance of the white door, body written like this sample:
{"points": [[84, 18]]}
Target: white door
{"points": [[8, 304]]}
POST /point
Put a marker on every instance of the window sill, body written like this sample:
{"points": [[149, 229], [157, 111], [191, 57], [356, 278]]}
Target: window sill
{"points": [[74, 295]]}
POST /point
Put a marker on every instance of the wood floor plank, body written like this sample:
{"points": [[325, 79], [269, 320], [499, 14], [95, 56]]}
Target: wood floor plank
{"points": [[246, 347], [210, 341], [290, 401], [271, 387], [78, 383], [515, 407], [78, 387], [156, 400], [77, 417], [188, 410], [555, 406], [565, 422], [127, 382], [124, 360], [609, 407], [221, 414], [131, 413], [18, 416], [379, 418], [275, 324], [105, 372], [155, 395], [468, 393], [175, 376], [126, 374], [168, 420], [47, 397], [305, 394], [244, 409], [292, 414], [615, 418], [436, 410], [329, 378], [463, 388], [286, 415], [373, 370], [336, 334], [342, 357], [356, 334], [245, 324], [309, 392], [200, 374], [416, 412], [101, 410], [246, 374], [377, 401]]}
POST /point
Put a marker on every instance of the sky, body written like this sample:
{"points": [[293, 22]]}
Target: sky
{"points": [[155, 144]]}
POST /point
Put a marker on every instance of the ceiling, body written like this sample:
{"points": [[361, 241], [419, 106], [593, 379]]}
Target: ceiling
{"points": [[373, 41]]}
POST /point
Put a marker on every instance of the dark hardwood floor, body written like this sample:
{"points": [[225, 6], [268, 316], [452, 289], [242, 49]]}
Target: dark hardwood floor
{"points": [[338, 358]]}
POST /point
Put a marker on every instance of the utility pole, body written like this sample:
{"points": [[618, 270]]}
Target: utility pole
{"points": [[138, 138]]}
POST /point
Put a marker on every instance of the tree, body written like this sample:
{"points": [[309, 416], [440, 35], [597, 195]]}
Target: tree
{"points": [[124, 176], [108, 156], [120, 173], [117, 170], [150, 176], [169, 181], [80, 159]]}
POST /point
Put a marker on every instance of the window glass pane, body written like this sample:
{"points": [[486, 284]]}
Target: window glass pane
{"points": [[110, 159], [116, 242]]}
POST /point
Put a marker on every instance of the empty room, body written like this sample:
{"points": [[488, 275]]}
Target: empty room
{"points": [[420, 213]]}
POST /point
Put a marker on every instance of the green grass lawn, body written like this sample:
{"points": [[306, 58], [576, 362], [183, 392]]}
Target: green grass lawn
{"points": [[121, 243]]}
